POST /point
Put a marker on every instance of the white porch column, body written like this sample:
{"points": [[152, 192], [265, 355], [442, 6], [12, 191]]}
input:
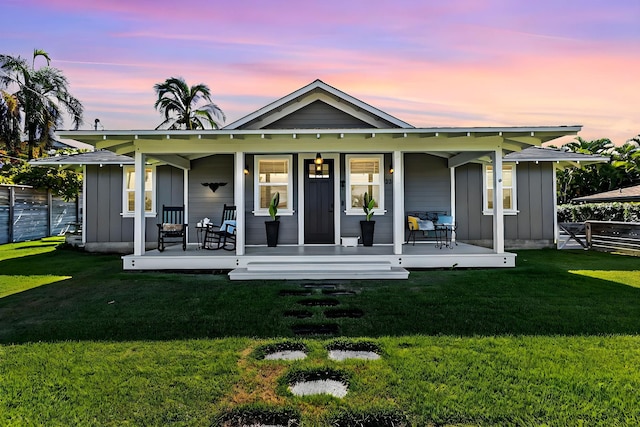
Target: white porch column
{"points": [[398, 202], [556, 231], [498, 208], [185, 197], [138, 215], [452, 193], [84, 205], [238, 198]]}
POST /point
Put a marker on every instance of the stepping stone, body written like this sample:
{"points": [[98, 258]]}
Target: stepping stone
{"points": [[338, 292], [341, 355], [319, 302], [331, 387], [319, 286], [300, 314], [294, 293], [286, 355], [354, 313]]}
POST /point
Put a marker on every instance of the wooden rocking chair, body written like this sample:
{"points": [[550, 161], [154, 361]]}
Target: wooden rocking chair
{"points": [[223, 235], [173, 226]]}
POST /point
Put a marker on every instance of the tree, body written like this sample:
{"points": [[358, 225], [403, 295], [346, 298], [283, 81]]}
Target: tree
{"points": [[622, 171], [186, 107], [9, 122], [42, 94]]}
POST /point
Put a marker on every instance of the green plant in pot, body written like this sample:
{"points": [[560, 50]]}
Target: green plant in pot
{"points": [[273, 226], [367, 226]]}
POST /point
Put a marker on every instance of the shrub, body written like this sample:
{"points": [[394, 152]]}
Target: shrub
{"points": [[615, 211]]}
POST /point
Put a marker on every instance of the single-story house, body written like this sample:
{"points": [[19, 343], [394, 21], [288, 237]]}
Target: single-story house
{"points": [[321, 150], [627, 194]]}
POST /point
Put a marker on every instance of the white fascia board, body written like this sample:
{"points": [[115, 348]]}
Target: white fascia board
{"points": [[317, 84]]}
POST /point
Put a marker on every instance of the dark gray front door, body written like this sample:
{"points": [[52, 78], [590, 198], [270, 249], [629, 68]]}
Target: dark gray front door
{"points": [[318, 202]]}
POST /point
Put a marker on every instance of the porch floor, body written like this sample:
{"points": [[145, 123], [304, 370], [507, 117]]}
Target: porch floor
{"points": [[298, 258]]}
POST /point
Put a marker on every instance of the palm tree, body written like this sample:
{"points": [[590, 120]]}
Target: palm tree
{"points": [[42, 94], [9, 122], [184, 107]]}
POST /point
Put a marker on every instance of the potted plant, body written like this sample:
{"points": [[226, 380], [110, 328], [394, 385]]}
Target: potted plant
{"points": [[367, 226], [274, 225]]}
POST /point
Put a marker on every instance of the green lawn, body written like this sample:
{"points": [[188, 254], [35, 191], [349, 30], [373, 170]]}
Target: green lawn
{"points": [[551, 342]]}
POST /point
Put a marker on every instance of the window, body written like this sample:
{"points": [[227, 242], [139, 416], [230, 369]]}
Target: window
{"points": [[273, 174], [364, 175], [129, 191], [508, 189]]}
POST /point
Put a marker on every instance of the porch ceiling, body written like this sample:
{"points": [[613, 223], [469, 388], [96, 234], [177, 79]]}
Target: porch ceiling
{"points": [[179, 147]]}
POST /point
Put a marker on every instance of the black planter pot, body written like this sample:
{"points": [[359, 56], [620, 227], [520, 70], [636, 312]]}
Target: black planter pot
{"points": [[272, 233], [367, 228]]}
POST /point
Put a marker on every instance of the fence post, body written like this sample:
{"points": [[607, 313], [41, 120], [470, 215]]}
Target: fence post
{"points": [[587, 226], [12, 202]]}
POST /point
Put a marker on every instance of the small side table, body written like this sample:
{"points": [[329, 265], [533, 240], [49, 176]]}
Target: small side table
{"points": [[200, 231]]}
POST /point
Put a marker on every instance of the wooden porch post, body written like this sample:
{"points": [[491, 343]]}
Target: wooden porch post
{"points": [[398, 202], [83, 218], [452, 195], [138, 215], [185, 197], [238, 197], [498, 207]]}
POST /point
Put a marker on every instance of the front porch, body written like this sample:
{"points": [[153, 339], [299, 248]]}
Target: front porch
{"points": [[320, 262]]}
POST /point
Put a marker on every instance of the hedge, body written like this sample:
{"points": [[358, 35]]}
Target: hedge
{"points": [[616, 211]]}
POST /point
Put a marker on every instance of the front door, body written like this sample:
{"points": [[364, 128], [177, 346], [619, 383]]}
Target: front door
{"points": [[318, 202]]}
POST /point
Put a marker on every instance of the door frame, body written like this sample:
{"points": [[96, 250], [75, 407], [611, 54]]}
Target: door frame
{"points": [[336, 194]]}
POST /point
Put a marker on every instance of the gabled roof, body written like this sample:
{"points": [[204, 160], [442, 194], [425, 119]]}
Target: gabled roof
{"points": [[545, 154], [98, 157], [313, 92], [629, 194]]}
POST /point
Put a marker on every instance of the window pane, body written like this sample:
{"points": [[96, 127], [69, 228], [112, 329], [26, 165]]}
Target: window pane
{"points": [[273, 170], [489, 177], [131, 179], [490, 198], [364, 171], [148, 180], [131, 201], [357, 194], [507, 176], [267, 192], [506, 198]]}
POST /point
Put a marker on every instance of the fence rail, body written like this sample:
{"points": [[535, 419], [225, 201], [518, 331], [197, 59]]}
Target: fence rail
{"points": [[30, 214], [613, 236]]}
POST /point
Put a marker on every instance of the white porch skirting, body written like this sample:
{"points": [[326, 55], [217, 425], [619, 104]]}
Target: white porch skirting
{"points": [[313, 262]]}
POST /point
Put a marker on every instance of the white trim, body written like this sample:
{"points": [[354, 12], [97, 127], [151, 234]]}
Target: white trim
{"points": [[452, 193], [498, 217], [336, 194], [126, 213], [556, 231], [239, 199], [139, 220], [514, 190], [185, 197], [84, 204], [257, 211], [397, 160], [349, 210]]}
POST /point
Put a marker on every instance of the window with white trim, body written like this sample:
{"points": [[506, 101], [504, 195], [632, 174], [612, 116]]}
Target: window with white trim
{"points": [[273, 174], [129, 178], [365, 174], [508, 189]]}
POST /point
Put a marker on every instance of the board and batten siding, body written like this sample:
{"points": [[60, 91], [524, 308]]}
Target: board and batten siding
{"points": [[204, 203], [532, 226], [427, 184], [106, 229]]}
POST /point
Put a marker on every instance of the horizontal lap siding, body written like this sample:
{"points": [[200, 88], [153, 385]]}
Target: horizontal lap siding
{"points": [[5, 226], [318, 115]]}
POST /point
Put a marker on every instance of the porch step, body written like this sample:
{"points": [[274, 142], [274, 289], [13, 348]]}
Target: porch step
{"points": [[319, 270]]}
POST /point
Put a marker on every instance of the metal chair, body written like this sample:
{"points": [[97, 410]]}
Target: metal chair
{"points": [[173, 226], [223, 235]]}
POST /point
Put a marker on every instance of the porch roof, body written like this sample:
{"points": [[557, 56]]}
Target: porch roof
{"points": [[447, 142]]}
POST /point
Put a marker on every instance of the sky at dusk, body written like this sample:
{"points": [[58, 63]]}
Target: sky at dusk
{"points": [[429, 63]]}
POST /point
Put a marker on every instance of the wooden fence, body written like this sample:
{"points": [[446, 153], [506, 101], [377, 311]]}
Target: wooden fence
{"points": [[613, 236], [30, 214]]}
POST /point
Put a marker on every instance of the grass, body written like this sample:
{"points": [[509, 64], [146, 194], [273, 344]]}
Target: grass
{"points": [[553, 341]]}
